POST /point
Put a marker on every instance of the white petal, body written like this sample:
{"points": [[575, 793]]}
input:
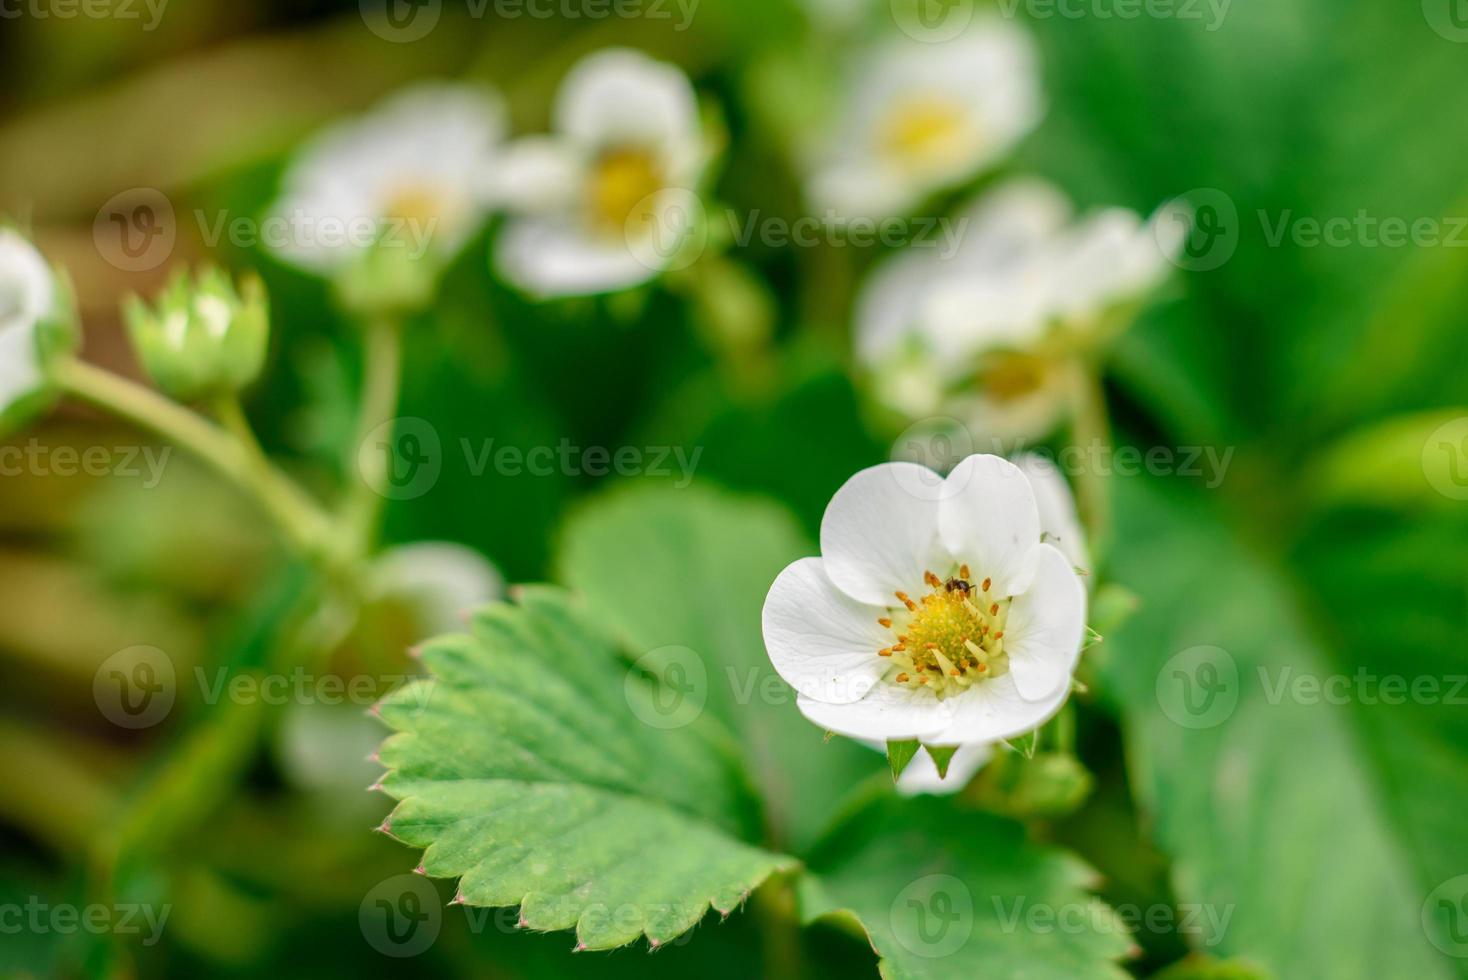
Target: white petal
{"points": [[560, 256], [889, 711], [618, 96], [880, 532], [820, 640], [994, 710], [442, 580], [539, 173], [886, 313], [1046, 624], [989, 520], [27, 296], [1057, 505], [921, 775]]}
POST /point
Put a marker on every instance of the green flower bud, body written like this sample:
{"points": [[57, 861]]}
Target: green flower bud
{"points": [[38, 327], [202, 337], [1049, 786]]}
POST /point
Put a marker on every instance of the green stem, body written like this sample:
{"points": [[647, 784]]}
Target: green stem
{"points": [[225, 452], [1091, 433], [382, 371], [774, 904]]}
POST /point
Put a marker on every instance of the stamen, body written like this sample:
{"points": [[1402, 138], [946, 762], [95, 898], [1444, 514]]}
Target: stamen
{"points": [[963, 573], [884, 622], [987, 582]]}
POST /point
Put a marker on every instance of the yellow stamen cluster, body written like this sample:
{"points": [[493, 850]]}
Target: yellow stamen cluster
{"points": [[925, 131], [950, 638], [622, 184]]}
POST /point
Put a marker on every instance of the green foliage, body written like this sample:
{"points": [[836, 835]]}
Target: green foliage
{"points": [[944, 892], [524, 766]]}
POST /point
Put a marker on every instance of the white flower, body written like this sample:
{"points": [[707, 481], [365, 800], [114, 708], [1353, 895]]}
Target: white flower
{"points": [[935, 612], [607, 201], [921, 117], [416, 173], [982, 333], [27, 299], [439, 580]]}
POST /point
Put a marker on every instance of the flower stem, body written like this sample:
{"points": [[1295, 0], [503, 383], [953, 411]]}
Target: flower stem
{"points": [[382, 371], [230, 456]]}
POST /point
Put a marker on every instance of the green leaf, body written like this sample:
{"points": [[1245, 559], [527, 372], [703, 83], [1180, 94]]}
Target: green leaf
{"points": [[941, 756], [900, 753], [534, 765], [685, 573], [944, 892], [1266, 802]]}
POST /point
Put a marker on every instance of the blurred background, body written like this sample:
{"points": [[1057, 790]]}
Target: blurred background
{"points": [[1328, 363]]}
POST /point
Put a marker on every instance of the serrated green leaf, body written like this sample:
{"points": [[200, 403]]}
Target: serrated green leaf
{"points": [[689, 570], [945, 892], [531, 764], [900, 753]]}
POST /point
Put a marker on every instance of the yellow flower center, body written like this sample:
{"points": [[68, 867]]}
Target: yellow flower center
{"points": [[926, 132], [949, 639], [417, 204], [623, 182], [1010, 377]]}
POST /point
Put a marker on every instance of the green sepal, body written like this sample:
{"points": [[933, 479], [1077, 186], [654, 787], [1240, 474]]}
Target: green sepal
{"points": [[941, 756], [899, 754]]}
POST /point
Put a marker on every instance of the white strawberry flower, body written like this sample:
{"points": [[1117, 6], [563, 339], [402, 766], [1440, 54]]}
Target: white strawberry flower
{"points": [[935, 611], [415, 175], [986, 333], [921, 117], [1060, 525], [606, 202]]}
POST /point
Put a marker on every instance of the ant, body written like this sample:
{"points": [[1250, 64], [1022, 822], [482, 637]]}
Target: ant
{"points": [[958, 585]]}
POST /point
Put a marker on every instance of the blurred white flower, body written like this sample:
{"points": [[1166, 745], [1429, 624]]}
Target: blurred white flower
{"points": [[37, 325], [440, 581], [27, 295], [608, 201], [921, 117], [934, 612], [985, 333], [415, 174]]}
